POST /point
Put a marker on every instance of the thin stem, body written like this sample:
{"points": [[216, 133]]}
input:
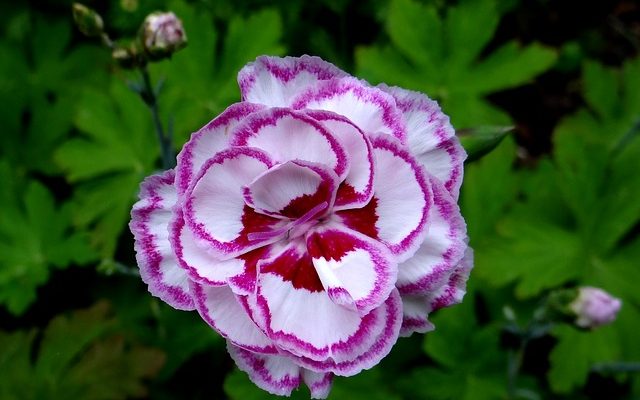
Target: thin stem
{"points": [[513, 369], [620, 366], [149, 96]]}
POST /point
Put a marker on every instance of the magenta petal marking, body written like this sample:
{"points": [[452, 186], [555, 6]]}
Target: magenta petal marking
{"points": [[356, 271], [273, 81], [207, 141], [150, 218], [357, 188], [319, 383], [369, 108], [455, 288], [275, 374], [220, 307], [288, 135], [415, 310], [440, 252]]}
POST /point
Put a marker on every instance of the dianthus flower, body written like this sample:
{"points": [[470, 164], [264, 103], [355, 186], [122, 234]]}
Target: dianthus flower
{"points": [[310, 224]]}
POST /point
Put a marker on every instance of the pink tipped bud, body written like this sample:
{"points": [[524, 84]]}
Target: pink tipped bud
{"points": [[594, 307], [162, 35]]}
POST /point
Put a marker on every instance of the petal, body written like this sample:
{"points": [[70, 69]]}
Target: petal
{"points": [[319, 383], [221, 309], [441, 250], [369, 108], [275, 374], [274, 81], [357, 188], [291, 189], [200, 265], [209, 140], [301, 318], [290, 135], [359, 270], [215, 210], [150, 219], [398, 212], [382, 327], [455, 288], [415, 310], [431, 137]]}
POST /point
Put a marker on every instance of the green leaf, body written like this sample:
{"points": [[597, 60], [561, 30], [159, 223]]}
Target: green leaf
{"points": [[36, 236], [117, 150], [441, 56], [478, 142], [79, 358]]}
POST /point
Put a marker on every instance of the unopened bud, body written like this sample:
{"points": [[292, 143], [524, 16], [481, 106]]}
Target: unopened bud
{"points": [[593, 307], [162, 35], [125, 57], [88, 21]]}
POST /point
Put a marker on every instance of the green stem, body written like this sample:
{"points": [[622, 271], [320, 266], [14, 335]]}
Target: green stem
{"points": [[149, 96], [513, 369], [620, 366]]}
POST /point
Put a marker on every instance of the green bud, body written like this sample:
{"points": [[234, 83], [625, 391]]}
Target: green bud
{"points": [[88, 21], [127, 58], [479, 141]]}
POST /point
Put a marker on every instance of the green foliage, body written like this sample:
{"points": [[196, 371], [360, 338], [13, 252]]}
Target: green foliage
{"points": [[441, 56], [78, 357]]}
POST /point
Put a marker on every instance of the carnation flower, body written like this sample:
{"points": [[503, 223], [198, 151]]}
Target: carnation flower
{"points": [[311, 224], [594, 307]]}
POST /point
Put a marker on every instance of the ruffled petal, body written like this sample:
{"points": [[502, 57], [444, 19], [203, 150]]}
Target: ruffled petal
{"points": [[319, 383], [150, 219], [292, 189], [291, 135], [275, 374], [430, 137], [215, 210], [415, 310], [382, 327], [441, 250], [220, 307], [209, 140], [455, 287], [357, 188], [274, 81], [355, 270], [398, 212], [369, 108]]}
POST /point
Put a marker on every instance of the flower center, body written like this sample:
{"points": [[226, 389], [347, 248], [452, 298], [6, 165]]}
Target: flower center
{"points": [[294, 228]]}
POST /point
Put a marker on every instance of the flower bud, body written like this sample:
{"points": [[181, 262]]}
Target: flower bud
{"points": [[594, 307], [88, 21], [162, 35]]}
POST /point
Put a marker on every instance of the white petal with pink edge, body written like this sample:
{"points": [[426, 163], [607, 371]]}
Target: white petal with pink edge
{"points": [[357, 188], [455, 288], [150, 219], [398, 212], [193, 257], [442, 249], [355, 270], [291, 189], [383, 327], [275, 374], [430, 137], [369, 108], [215, 210], [415, 310], [273, 81], [288, 135], [220, 307], [209, 140], [319, 383]]}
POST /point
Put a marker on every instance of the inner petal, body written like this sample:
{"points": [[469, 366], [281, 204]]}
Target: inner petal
{"points": [[292, 189]]}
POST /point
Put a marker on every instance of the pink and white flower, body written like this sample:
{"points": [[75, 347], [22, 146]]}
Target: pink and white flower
{"points": [[311, 224], [593, 307]]}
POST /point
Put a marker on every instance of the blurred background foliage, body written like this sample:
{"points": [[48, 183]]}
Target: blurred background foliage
{"points": [[557, 204]]}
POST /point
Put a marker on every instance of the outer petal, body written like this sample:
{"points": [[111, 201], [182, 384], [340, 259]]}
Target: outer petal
{"points": [[415, 310], [273, 373], [383, 330], [356, 271], [455, 288], [371, 109], [299, 316], [431, 137], [441, 250], [397, 213], [220, 307], [274, 81], [209, 140], [150, 219], [319, 383], [215, 210], [357, 188], [290, 135]]}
